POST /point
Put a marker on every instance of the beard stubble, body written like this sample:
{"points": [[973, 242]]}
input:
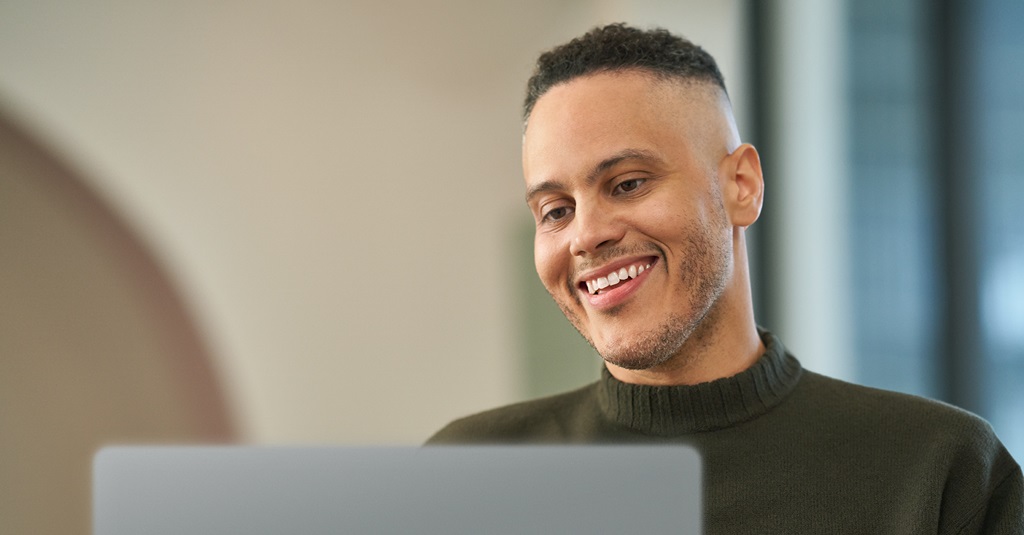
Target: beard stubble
{"points": [[704, 268]]}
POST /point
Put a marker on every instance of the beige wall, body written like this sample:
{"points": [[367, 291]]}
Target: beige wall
{"points": [[333, 187]]}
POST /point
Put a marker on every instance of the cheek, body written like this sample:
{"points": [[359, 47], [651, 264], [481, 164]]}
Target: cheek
{"points": [[669, 219], [665, 221], [551, 264]]}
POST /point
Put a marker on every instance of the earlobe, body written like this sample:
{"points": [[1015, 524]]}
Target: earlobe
{"points": [[744, 185]]}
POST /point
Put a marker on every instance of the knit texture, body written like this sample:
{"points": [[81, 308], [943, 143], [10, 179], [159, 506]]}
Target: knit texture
{"points": [[786, 450]]}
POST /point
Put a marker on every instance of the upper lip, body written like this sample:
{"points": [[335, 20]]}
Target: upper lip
{"points": [[604, 270]]}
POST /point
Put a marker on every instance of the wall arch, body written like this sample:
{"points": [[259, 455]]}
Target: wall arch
{"points": [[96, 347]]}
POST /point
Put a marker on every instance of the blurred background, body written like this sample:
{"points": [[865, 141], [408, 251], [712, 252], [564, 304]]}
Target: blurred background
{"points": [[302, 223]]}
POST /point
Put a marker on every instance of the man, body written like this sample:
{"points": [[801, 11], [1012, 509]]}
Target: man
{"points": [[642, 193]]}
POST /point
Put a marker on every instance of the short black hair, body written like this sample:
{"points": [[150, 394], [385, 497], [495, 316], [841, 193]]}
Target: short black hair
{"points": [[618, 47]]}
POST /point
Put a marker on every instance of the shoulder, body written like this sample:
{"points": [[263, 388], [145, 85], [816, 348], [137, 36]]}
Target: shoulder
{"points": [[540, 420], [935, 447], [943, 438], [854, 404]]}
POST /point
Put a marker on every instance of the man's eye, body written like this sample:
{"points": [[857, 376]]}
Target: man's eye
{"points": [[556, 214], [627, 186]]}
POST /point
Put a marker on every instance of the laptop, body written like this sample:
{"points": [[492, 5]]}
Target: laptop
{"points": [[249, 490]]}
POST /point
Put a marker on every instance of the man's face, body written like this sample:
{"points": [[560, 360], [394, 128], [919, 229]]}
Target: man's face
{"points": [[632, 239]]}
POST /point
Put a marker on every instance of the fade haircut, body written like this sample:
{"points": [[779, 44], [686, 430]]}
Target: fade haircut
{"points": [[618, 47]]}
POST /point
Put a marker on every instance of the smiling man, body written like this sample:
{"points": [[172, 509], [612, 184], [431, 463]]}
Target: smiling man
{"points": [[642, 192]]}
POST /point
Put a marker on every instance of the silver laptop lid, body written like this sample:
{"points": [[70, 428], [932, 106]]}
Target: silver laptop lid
{"points": [[442, 489]]}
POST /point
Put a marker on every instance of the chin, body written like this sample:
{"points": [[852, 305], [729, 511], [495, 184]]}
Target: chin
{"points": [[648, 349], [643, 362]]}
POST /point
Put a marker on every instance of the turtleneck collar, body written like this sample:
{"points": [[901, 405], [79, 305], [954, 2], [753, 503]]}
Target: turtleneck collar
{"points": [[677, 410]]}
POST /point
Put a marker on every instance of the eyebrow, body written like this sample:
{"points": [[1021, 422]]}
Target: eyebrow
{"points": [[595, 173]]}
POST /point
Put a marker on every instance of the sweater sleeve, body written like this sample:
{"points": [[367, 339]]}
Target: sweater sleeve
{"points": [[985, 475], [1003, 513]]}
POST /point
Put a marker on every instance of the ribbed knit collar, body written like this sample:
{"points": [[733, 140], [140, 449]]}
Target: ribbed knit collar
{"points": [[677, 410]]}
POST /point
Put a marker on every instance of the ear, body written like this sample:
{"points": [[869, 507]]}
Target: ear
{"points": [[743, 185]]}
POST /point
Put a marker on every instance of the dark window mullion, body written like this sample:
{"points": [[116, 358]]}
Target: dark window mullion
{"points": [[959, 252]]}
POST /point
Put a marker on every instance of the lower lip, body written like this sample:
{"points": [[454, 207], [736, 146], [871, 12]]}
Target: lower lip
{"points": [[610, 298]]}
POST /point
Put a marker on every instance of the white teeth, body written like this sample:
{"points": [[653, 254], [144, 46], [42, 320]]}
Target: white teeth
{"points": [[615, 277]]}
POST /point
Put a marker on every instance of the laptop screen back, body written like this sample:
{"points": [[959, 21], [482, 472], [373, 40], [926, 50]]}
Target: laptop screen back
{"points": [[446, 489]]}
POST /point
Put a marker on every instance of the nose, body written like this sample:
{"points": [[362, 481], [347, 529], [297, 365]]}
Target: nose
{"points": [[594, 228]]}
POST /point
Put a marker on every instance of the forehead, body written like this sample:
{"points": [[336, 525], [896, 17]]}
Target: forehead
{"points": [[581, 122]]}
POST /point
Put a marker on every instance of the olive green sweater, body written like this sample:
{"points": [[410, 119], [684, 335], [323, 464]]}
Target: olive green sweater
{"points": [[790, 451]]}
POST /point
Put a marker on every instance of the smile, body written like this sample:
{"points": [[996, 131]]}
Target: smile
{"points": [[613, 278]]}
